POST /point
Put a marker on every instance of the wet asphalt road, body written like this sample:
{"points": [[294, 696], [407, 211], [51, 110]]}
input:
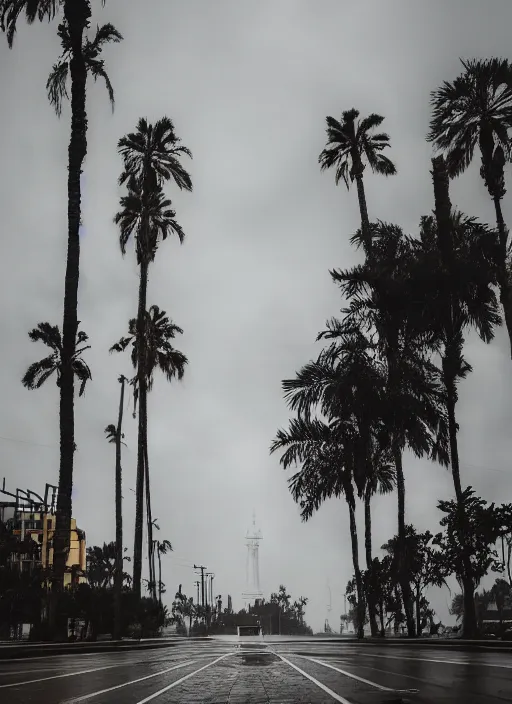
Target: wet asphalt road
{"points": [[211, 672]]}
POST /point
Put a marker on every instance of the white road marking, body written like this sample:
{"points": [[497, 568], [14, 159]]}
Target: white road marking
{"points": [[348, 674], [362, 679], [4, 673], [328, 691], [125, 684], [473, 663], [46, 657], [182, 679], [56, 677]]}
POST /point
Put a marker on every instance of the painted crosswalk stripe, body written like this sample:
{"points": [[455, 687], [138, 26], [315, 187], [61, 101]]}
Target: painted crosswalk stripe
{"points": [[182, 679], [125, 684], [55, 677], [328, 691]]}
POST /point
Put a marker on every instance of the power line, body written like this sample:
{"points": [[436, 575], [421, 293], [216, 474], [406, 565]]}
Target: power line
{"points": [[26, 442], [490, 469]]}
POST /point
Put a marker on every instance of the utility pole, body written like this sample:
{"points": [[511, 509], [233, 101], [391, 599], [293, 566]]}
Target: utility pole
{"points": [[196, 584], [202, 568]]}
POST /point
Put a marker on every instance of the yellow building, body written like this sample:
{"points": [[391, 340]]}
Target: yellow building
{"points": [[40, 527]]}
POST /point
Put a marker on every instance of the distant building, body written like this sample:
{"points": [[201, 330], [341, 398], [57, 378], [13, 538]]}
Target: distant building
{"points": [[492, 615], [40, 527]]}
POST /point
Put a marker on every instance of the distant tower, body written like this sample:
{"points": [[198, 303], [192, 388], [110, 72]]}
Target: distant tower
{"points": [[252, 589], [327, 627]]}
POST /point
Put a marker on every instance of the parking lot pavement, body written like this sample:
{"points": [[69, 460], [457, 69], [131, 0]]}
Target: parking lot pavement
{"points": [[215, 672]]}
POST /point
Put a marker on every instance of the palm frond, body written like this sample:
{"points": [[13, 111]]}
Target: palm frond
{"points": [[39, 372], [111, 433], [10, 10], [56, 85]]}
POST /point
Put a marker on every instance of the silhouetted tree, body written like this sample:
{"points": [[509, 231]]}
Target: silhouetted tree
{"points": [[349, 145], [476, 109], [150, 157]]}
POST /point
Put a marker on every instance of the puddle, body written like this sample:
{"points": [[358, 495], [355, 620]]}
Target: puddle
{"points": [[257, 659]]}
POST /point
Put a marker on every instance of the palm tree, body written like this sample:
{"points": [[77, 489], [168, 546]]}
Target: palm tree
{"points": [[342, 386], [80, 56], [455, 272], [101, 565], [326, 472], [159, 353], [476, 109], [39, 372], [189, 610], [414, 409], [150, 157], [382, 479], [162, 548], [349, 144], [115, 435]]}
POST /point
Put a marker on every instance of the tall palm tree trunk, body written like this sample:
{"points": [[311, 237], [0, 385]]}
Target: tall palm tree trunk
{"points": [[403, 577], [151, 546], [469, 624], [509, 560], [76, 15], [118, 576], [159, 577], [372, 610], [417, 599], [363, 209], [142, 429], [505, 288], [361, 606], [443, 209], [394, 383]]}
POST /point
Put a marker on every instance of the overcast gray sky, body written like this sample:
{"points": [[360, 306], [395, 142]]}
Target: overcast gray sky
{"points": [[248, 85]]}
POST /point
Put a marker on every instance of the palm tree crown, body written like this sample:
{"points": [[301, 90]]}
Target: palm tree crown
{"points": [[476, 108], [159, 213], [159, 351], [39, 372], [56, 84], [348, 143], [154, 148]]}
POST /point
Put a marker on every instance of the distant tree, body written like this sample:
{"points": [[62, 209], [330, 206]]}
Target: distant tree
{"points": [[467, 545], [502, 593], [162, 548], [457, 607], [424, 566], [101, 565]]}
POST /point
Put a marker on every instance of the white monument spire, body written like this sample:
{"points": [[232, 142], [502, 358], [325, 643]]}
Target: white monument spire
{"points": [[252, 589]]}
